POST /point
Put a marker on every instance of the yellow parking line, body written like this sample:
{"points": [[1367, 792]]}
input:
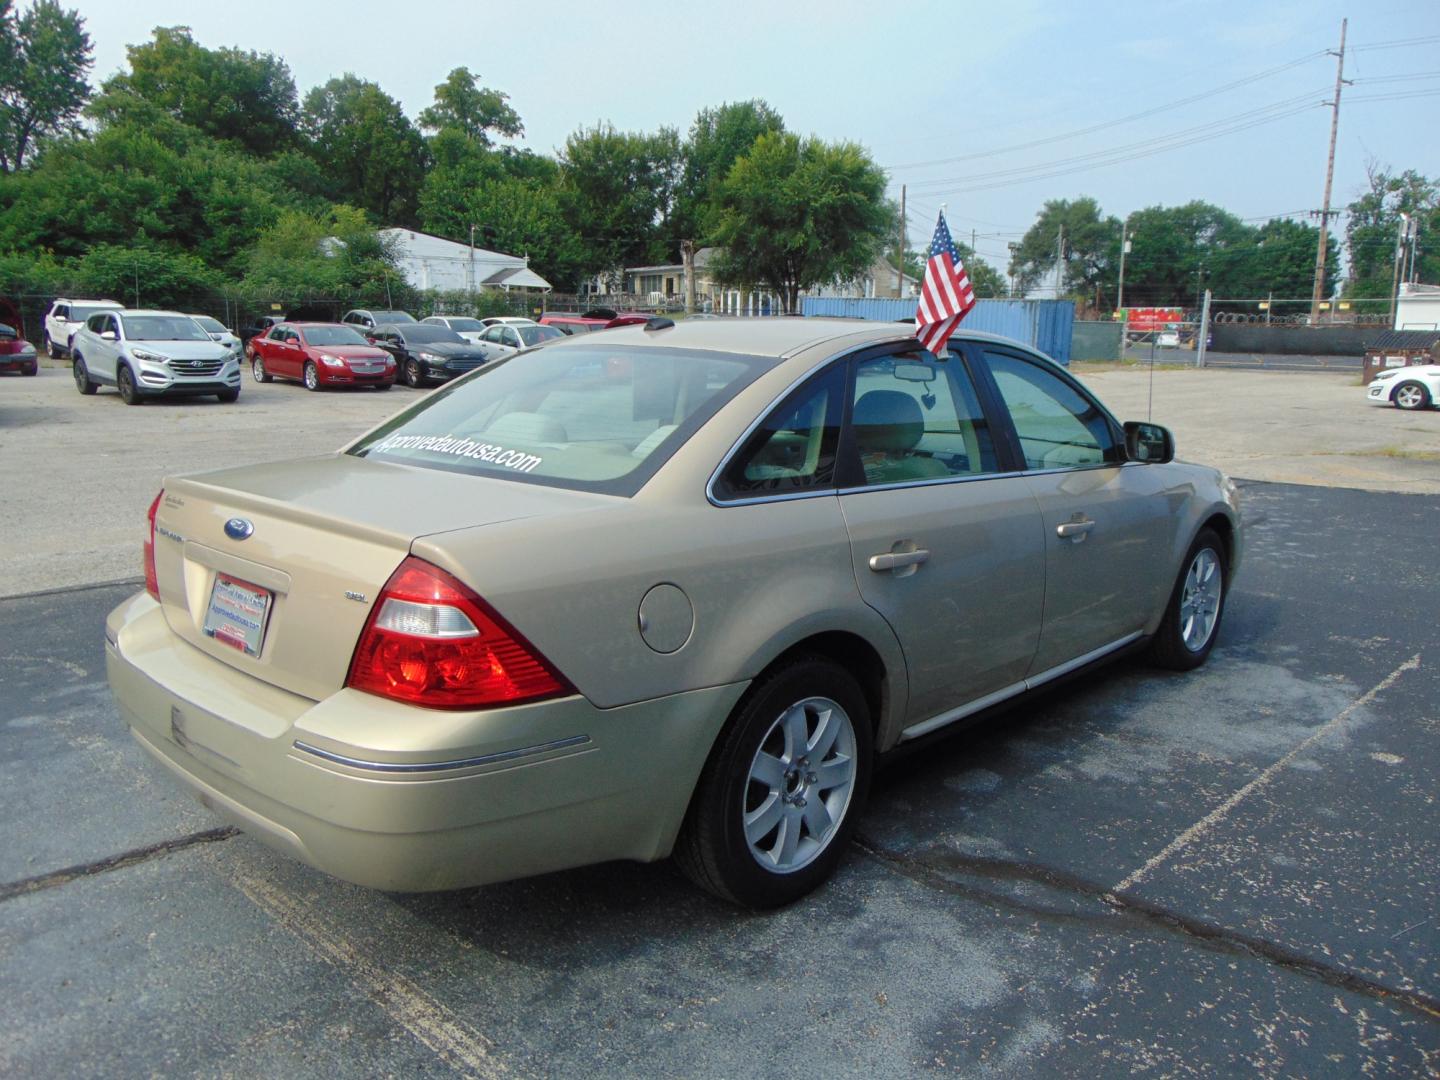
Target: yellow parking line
{"points": [[432, 1023]]}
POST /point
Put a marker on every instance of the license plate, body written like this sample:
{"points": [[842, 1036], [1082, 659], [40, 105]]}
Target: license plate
{"points": [[237, 614]]}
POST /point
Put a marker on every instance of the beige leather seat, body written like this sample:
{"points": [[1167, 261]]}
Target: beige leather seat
{"points": [[888, 426]]}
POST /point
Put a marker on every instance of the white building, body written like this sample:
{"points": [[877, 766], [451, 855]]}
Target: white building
{"points": [[432, 262], [1417, 307]]}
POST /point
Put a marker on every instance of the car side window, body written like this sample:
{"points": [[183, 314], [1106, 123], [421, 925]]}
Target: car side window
{"points": [[918, 418], [62, 311], [493, 335], [1058, 426], [795, 448], [95, 324], [511, 338]]}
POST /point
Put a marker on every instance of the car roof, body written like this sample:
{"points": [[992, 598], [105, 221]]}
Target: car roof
{"points": [[154, 311], [82, 300], [772, 336]]}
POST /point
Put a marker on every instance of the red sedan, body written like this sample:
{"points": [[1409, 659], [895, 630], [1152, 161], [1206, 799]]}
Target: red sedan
{"points": [[319, 355]]}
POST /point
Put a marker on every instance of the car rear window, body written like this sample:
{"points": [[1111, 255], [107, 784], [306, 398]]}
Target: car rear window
{"points": [[587, 418]]}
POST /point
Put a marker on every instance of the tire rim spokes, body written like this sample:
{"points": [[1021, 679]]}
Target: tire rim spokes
{"points": [[1408, 396], [799, 785], [1200, 600]]}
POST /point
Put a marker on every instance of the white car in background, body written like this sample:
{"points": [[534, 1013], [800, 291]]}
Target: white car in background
{"points": [[218, 331], [468, 328], [1408, 388], [507, 338], [512, 320], [65, 317]]}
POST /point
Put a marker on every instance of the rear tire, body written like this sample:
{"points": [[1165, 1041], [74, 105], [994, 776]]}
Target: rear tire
{"points": [[82, 376], [1411, 396], [125, 382], [1192, 618], [777, 802]]}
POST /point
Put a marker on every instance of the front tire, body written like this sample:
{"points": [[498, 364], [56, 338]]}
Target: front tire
{"points": [[1192, 619], [228, 397], [125, 382], [414, 378], [50, 350], [258, 372], [1411, 396], [82, 376], [312, 377], [778, 800], [33, 369]]}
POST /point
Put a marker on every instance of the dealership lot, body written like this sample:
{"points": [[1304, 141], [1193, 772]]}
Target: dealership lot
{"points": [[1186, 874]]}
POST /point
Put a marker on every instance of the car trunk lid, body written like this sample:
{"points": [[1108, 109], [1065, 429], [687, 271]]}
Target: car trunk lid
{"points": [[302, 549]]}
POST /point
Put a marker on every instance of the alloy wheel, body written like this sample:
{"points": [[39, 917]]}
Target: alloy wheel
{"points": [[412, 374], [257, 369], [1200, 599], [799, 785], [312, 377], [1409, 396]]}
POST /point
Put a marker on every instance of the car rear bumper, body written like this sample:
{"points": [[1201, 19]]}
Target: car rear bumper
{"points": [[393, 797]]}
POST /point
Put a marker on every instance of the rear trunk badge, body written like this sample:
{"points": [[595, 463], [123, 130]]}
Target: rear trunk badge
{"points": [[238, 528]]}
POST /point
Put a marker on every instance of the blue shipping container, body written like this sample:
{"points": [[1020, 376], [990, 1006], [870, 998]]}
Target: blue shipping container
{"points": [[1042, 324]]}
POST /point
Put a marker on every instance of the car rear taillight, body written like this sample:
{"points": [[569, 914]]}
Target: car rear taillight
{"points": [[431, 641], [152, 580]]}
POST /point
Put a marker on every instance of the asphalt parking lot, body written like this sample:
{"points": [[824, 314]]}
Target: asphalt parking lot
{"points": [[1230, 871]]}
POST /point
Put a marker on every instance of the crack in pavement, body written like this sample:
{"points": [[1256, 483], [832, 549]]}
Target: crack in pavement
{"points": [[1142, 913], [133, 857]]}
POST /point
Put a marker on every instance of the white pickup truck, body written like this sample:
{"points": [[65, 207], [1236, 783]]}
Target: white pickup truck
{"points": [[152, 353]]}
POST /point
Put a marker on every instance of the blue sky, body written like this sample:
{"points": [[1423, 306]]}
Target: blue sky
{"points": [[915, 83]]}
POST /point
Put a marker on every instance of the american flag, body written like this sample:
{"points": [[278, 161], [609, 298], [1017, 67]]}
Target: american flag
{"points": [[945, 296]]}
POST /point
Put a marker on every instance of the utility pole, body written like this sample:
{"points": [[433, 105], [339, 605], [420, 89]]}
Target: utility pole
{"points": [[1059, 262], [900, 252], [1329, 179], [1204, 332], [472, 261], [687, 256], [1399, 258], [1124, 250]]}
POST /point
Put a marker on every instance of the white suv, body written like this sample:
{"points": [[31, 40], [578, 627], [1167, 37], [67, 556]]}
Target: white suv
{"points": [[65, 317], [152, 353]]}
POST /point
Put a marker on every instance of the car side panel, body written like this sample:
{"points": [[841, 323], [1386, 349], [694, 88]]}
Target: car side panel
{"points": [[759, 579]]}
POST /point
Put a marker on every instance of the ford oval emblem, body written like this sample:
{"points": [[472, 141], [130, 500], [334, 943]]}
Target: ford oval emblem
{"points": [[238, 529]]}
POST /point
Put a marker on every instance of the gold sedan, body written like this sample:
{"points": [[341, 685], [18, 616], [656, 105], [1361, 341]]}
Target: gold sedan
{"points": [[662, 589]]}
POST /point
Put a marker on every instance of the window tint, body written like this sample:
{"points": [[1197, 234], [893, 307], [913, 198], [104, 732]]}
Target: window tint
{"points": [[1058, 426], [511, 338], [916, 418], [794, 448], [492, 335], [590, 418], [96, 324], [333, 335]]}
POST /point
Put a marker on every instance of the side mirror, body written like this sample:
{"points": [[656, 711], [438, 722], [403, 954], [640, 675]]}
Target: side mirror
{"points": [[107, 335], [1148, 443]]}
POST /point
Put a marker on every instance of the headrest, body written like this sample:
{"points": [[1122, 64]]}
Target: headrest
{"points": [[887, 421]]}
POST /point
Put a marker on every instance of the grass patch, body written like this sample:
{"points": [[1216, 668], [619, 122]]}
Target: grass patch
{"points": [[1400, 453]]}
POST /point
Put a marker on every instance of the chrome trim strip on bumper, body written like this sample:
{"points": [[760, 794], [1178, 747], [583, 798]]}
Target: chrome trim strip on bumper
{"points": [[924, 727], [442, 766]]}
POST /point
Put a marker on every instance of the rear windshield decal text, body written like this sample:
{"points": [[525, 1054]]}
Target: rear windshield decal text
{"points": [[489, 453]]}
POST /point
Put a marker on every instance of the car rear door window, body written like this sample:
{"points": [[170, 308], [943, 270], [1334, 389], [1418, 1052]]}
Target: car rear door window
{"points": [[1057, 425], [794, 449], [918, 418]]}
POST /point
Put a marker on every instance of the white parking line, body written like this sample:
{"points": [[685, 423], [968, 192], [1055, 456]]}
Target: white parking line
{"points": [[458, 1044], [1201, 827]]}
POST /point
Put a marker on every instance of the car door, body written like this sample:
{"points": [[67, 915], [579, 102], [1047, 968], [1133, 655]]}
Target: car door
{"points": [[102, 354], [494, 341], [1108, 525], [947, 543]]}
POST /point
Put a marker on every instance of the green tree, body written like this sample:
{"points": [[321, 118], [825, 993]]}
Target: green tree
{"points": [[513, 215], [244, 98], [363, 140], [45, 55], [717, 138], [1179, 251], [462, 104], [304, 254], [617, 191], [1373, 224], [1091, 249], [987, 282], [795, 213]]}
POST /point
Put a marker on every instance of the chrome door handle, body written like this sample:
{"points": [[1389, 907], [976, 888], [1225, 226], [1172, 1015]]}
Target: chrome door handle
{"points": [[1076, 529], [894, 560]]}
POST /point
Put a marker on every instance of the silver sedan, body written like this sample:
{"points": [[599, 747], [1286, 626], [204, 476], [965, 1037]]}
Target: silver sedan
{"points": [[667, 589]]}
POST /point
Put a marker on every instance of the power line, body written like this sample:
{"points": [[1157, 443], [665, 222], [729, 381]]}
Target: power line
{"points": [[1398, 43], [1144, 114], [1303, 101]]}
